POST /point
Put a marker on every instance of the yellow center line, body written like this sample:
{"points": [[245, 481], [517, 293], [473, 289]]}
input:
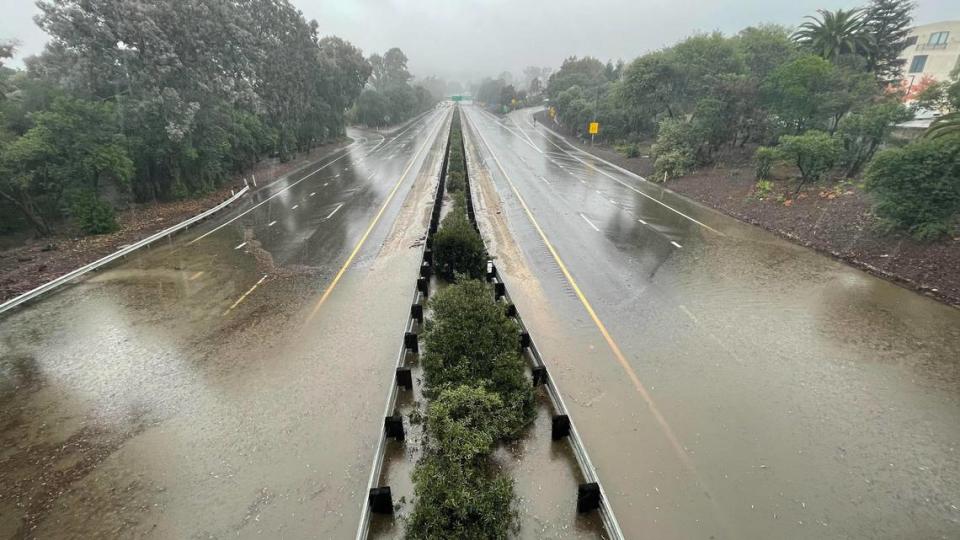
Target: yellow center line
{"points": [[617, 353], [245, 295], [363, 239]]}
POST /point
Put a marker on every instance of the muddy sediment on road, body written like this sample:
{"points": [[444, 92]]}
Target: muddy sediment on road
{"points": [[37, 261], [834, 219]]}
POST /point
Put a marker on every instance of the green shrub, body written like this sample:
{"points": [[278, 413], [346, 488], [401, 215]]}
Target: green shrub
{"points": [[763, 160], [469, 503], [814, 153], [917, 187], [467, 332], [630, 150], [457, 247], [863, 132], [455, 181], [763, 189], [465, 422], [673, 164], [469, 340], [93, 215]]}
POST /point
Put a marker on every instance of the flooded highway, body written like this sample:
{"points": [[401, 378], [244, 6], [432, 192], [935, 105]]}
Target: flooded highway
{"points": [[229, 382], [727, 383]]}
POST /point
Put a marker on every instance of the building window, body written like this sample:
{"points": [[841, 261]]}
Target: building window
{"points": [[918, 62], [911, 41], [938, 38]]}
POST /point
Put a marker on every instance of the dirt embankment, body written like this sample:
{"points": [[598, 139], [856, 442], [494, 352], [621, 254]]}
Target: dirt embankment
{"points": [[833, 218], [38, 261]]}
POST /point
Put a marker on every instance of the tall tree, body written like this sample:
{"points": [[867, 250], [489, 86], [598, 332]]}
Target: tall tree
{"points": [[888, 22], [835, 34]]}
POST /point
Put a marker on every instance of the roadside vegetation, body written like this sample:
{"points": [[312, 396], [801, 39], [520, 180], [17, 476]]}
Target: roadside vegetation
{"points": [[120, 108], [388, 97], [478, 391], [815, 104]]}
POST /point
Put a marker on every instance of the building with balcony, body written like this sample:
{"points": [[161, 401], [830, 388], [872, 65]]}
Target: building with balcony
{"points": [[932, 52]]}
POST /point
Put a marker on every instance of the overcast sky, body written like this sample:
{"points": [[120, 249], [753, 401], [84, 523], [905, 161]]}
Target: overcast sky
{"points": [[467, 39]]}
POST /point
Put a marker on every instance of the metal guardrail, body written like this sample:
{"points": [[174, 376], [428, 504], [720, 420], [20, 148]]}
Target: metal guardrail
{"points": [[69, 276], [532, 354], [542, 375], [410, 326]]}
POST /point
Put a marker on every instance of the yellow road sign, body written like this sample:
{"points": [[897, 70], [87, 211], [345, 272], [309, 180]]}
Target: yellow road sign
{"points": [[594, 128]]}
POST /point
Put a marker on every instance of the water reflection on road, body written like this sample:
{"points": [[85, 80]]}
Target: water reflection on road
{"points": [[808, 399], [182, 394]]}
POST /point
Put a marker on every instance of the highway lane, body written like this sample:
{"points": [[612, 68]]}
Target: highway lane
{"points": [[220, 385], [728, 384]]}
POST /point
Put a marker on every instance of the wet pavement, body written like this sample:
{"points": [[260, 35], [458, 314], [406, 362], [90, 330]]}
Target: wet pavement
{"points": [[728, 384], [217, 386]]}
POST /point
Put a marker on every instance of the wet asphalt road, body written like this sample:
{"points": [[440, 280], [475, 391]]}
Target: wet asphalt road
{"points": [[746, 387], [216, 386]]}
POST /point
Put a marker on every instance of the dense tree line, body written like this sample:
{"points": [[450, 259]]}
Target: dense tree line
{"points": [[389, 98], [824, 98], [162, 99]]}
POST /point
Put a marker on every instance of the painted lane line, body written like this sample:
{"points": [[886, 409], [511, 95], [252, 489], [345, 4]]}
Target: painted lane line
{"points": [[545, 181], [373, 223], [261, 203], [196, 275], [676, 244], [294, 207], [312, 193], [246, 294], [642, 221], [624, 184], [325, 184], [330, 215], [240, 246], [374, 173], [271, 224], [618, 354], [590, 223]]}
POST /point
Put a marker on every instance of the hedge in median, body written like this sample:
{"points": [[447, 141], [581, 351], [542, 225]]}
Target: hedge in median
{"points": [[470, 340], [457, 246]]}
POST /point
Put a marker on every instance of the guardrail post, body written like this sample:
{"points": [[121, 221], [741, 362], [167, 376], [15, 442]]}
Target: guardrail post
{"points": [[404, 378], [560, 427], [588, 497], [416, 312], [394, 426], [423, 285], [499, 289], [380, 500], [410, 341], [539, 375], [524, 340], [511, 310]]}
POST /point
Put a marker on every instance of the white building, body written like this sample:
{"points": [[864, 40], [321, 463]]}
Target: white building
{"points": [[933, 51]]}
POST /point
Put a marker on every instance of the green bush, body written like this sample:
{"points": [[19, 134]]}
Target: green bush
{"points": [[457, 247], [917, 187], [673, 164], [763, 160], [763, 189], [460, 502], [93, 215], [863, 132], [455, 181], [630, 150], [465, 422], [467, 332], [814, 153]]}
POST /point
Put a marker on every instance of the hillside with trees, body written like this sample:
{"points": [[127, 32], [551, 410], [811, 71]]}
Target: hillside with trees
{"points": [[137, 102]]}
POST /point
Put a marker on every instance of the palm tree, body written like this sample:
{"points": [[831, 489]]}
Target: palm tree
{"points": [[946, 125], [835, 33]]}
